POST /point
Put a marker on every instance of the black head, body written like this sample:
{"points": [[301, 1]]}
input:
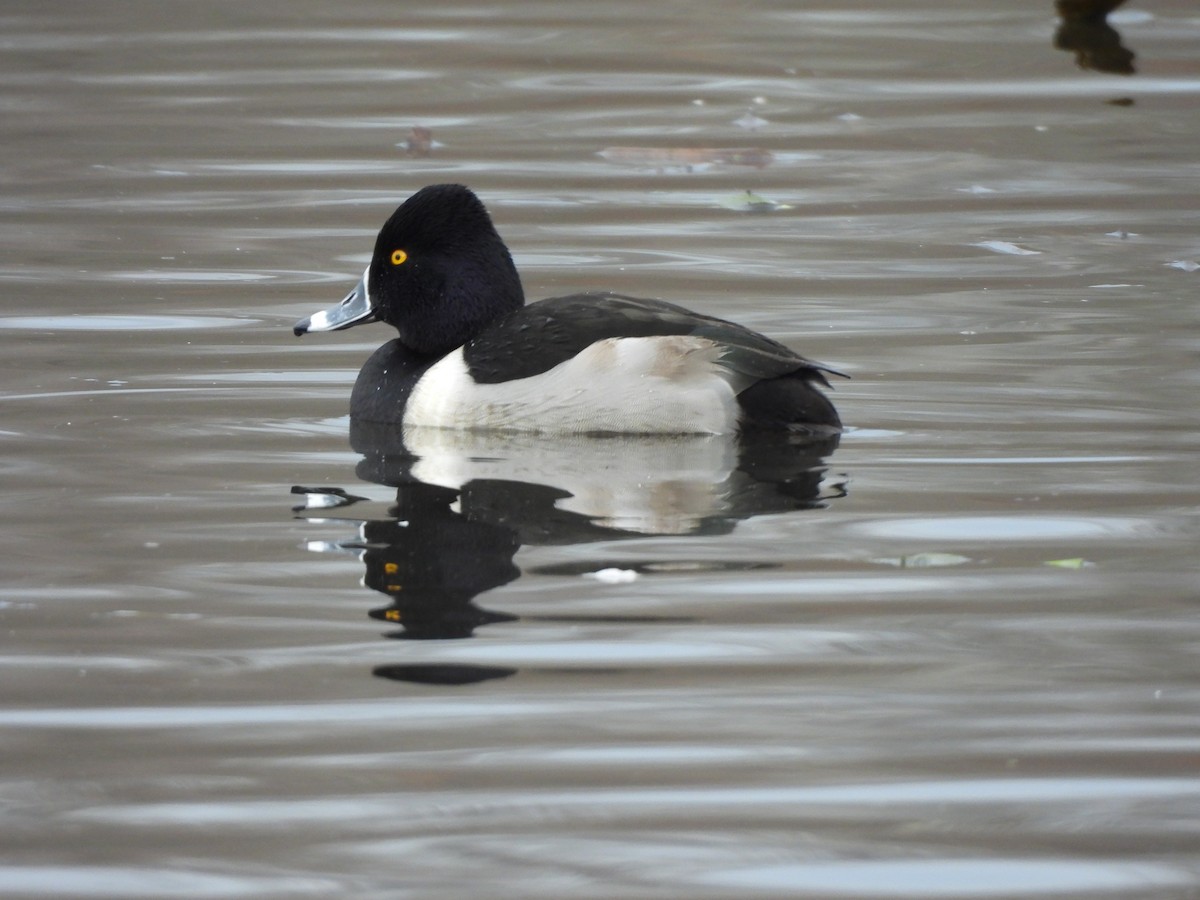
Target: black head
{"points": [[440, 272]]}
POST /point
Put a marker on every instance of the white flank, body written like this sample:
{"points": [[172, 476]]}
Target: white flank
{"points": [[650, 385]]}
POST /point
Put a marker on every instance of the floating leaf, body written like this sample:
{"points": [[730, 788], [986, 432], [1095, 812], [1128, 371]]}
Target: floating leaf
{"points": [[420, 141], [1077, 562], [688, 157], [748, 201], [924, 560], [1006, 247]]}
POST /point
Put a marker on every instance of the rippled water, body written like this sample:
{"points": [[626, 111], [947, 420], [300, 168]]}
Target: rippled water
{"points": [[953, 656]]}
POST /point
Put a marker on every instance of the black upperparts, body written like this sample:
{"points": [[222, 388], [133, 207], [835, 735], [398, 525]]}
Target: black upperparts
{"points": [[538, 337]]}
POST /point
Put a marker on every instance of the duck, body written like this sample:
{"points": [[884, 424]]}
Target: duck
{"points": [[471, 354]]}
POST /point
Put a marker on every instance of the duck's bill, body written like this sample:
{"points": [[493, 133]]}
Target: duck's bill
{"points": [[355, 309]]}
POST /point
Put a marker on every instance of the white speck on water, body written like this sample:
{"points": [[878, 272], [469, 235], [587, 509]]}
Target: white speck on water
{"points": [[613, 575], [750, 122]]}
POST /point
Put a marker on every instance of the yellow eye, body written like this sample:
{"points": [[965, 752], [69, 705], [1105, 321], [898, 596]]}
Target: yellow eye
{"points": [[398, 256]]}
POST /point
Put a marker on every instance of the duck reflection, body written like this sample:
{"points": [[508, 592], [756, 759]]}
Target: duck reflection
{"points": [[467, 502], [1084, 31]]}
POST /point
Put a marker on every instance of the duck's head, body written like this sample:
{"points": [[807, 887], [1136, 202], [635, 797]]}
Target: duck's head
{"points": [[439, 274]]}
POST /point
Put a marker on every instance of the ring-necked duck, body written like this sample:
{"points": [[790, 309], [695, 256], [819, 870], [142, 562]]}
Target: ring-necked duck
{"points": [[472, 355]]}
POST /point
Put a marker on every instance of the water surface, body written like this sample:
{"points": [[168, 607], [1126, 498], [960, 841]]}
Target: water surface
{"points": [[953, 656]]}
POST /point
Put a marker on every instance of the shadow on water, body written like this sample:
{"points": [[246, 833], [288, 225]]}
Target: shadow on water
{"points": [[467, 502], [1084, 31]]}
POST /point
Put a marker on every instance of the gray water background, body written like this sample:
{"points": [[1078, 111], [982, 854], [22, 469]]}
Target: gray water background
{"points": [[973, 675]]}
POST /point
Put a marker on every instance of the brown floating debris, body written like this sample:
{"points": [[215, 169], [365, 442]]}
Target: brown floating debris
{"points": [[689, 157], [420, 141]]}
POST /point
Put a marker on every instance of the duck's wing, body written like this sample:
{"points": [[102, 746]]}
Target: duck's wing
{"points": [[536, 338]]}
